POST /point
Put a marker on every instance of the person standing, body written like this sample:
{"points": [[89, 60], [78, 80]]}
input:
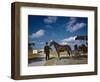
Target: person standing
{"points": [[75, 47], [47, 50]]}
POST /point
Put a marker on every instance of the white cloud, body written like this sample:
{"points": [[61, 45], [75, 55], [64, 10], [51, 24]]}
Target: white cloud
{"points": [[63, 43], [50, 19], [72, 38], [73, 25], [72, 20], [38, 34]]}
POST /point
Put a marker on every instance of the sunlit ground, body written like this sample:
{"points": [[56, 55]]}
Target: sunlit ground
{"points": [[65, 59]]}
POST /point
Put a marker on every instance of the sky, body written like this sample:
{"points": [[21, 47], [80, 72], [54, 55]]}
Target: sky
{"points": [[61, 29]]}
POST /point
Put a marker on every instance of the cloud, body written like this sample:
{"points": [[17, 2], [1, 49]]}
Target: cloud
{"points": [[63, 43], [70, 39], [50, 19], [38, 34], [73, 25]]}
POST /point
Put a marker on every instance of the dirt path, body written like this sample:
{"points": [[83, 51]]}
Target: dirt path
{"points": [[64, 60]]}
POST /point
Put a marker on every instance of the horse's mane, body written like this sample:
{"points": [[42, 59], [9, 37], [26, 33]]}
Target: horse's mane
{"points": [[56, 43]]}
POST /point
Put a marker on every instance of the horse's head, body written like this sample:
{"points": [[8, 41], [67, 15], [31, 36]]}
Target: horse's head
{"points": [[51, 42]]}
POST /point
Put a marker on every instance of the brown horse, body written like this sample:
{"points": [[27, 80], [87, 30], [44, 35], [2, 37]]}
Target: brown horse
{"points": [[60, 48]]}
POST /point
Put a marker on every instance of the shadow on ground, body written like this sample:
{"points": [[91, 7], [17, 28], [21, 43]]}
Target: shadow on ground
{"points": [[38, 59]]}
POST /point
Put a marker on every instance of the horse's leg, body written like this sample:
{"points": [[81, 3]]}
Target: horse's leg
{"points": [[68, 51], [58, 54]]}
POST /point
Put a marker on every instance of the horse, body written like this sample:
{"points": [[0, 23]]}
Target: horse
{"points": [[60, 48]]}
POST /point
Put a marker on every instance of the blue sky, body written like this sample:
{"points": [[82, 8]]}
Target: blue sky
{"points": [[58, 28]]}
